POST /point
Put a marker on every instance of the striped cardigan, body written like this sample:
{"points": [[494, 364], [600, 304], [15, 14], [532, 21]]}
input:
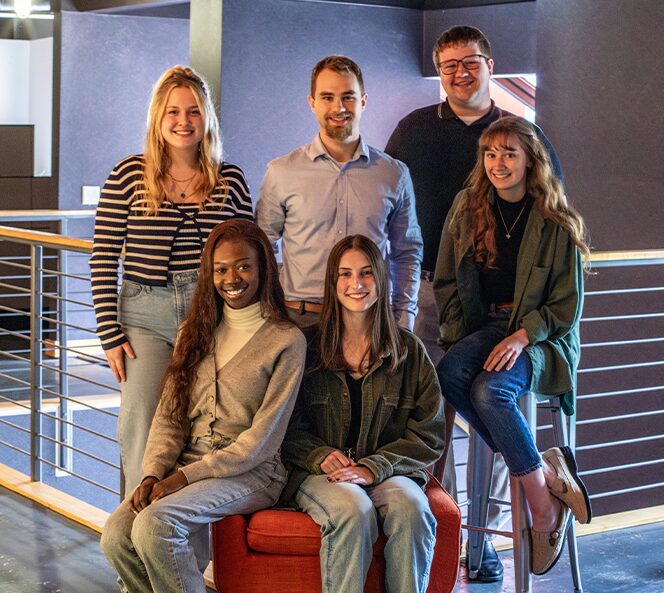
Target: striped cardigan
{"points": [[170, 241]]}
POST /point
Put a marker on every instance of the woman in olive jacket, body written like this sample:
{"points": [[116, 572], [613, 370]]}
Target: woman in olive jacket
{"points": [[367, 422], [509, 288]]}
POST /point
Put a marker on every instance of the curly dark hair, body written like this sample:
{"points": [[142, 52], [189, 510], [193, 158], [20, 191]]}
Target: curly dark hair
{"points": [[196, 336]]}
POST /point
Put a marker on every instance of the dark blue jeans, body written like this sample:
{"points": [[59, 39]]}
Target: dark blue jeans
{"points": [[489, 400]]}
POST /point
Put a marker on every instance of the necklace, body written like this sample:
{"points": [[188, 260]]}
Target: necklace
{"points": [[508, 232], [182, 191]]}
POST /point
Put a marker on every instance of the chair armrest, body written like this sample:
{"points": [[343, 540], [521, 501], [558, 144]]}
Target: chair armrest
{"points": [[445, 566]]}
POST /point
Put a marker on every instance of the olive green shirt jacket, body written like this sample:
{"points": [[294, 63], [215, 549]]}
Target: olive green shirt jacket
{"points": [[402, 426], [548, 297]]}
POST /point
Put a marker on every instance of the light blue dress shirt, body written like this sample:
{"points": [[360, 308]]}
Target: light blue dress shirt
{"points": [[311, 201]]}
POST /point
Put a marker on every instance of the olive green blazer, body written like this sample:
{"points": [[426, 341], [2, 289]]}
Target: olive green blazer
{"points": [[548, 297]]}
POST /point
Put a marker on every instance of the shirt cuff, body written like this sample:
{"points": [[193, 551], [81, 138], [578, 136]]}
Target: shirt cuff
{"points": [[405, 319]]}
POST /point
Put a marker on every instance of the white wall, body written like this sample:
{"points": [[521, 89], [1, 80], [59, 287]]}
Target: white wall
{"points": [[26, 83], [14, 81], [41, 102]]}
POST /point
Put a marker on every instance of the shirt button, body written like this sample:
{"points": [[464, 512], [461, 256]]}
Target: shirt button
{"points": [[210, 397], [340, 232], [341, 201]]}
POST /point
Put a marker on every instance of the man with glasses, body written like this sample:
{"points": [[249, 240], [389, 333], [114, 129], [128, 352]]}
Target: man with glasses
{"points": [[337, 186], [439, 145]]}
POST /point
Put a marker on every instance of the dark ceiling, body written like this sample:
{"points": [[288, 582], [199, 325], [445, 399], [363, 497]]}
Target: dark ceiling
{"points": [[180, 9], [177, 7]]}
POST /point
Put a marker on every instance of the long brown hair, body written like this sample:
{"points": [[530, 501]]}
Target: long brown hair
{"points": [[542, 186], [384, 336], [196, 337], [157, 159]]}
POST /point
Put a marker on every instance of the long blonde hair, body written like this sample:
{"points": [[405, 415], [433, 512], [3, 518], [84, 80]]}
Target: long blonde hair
{"points": [[542, 186], [157, 159]]}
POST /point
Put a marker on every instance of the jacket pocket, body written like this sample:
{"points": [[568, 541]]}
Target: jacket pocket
{"points": [[394, 409]]}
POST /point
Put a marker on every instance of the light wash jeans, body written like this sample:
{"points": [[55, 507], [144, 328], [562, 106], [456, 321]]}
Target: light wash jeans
{"points": [[489, 400], [349, 516], [426, 328], [150, 317], [159, 550]]}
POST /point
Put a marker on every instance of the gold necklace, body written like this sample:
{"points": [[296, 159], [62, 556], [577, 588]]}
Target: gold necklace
{"points": [[176, 182], [508, 232]]}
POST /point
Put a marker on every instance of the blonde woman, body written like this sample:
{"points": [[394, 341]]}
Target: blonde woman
{"points": [[160, 207], [509, 287]]}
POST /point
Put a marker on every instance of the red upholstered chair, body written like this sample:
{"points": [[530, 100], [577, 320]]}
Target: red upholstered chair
{"points": [[276, 551]]}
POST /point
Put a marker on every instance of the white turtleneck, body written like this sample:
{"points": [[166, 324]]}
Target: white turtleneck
{"points": [[235, 330]]}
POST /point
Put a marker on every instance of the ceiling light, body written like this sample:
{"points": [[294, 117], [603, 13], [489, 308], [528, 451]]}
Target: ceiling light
{"points": [[22, 8]]}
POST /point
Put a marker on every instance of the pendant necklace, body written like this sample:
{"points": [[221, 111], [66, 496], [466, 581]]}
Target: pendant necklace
{"points": [[183, 192], [508, 232]]}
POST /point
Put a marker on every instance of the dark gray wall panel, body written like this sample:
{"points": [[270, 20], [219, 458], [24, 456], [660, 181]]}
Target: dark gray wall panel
{"points": [[16, 151], [599, 83], [109, 64], [510, 28], [269, 48], [15, 193]]}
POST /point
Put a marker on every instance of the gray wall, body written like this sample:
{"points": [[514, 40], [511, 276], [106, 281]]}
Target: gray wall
{"points": [[269, 48], [509, 27], [108, 66], [600, 77]]}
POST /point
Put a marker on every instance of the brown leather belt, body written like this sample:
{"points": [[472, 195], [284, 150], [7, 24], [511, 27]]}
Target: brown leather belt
{"points": [[303, 307], [501, 307]]}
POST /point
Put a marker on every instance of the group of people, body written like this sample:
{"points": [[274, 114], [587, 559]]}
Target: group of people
{"points": [[243, 380]]}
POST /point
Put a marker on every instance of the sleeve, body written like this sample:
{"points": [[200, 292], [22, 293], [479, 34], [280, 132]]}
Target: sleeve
{"points": [[302, 446], [270, 213], [450, 312], [396, 142], [238, 191], [562, 306], [164, 445], [262, 440], [406, 248], [423, 440], [110, 234], [555, 161]]}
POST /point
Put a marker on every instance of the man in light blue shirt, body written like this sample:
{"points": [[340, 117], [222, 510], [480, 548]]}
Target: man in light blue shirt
{"points": [[338, 186]]}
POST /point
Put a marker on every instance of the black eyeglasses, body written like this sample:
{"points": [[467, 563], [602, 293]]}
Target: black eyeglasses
{"points": [[469, 63]]}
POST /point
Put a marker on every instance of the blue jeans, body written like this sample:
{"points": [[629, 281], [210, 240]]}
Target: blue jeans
{"points": [[150, 317], [159, 551], [349, 516], [489, 400]]}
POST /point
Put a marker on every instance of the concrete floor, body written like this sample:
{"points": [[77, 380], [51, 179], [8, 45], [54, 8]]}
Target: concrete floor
{"points": [[41, 552]]}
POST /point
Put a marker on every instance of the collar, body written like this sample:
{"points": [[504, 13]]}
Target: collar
{"points": [[446, 112], [317, 150], [246, 318]]}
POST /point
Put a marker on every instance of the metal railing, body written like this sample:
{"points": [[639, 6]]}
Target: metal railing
{"points": [[59, 400]]}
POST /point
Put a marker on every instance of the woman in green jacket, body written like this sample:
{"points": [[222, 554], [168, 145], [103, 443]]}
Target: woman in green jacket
{"points": [[509, 288], [367, 422]]}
